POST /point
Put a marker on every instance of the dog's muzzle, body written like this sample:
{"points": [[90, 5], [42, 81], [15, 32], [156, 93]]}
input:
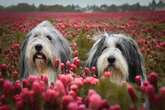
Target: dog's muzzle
{"points": [[39, 55]]}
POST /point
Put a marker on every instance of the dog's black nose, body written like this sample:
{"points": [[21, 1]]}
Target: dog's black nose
{"points": [[38, 47], [111, 59]]}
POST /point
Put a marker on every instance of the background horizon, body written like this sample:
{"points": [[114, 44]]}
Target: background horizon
{"points": [[81, 3]]}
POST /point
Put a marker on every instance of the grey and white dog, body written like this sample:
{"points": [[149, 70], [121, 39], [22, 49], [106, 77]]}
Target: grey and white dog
{"points": [[42, 45], [119, 54]]}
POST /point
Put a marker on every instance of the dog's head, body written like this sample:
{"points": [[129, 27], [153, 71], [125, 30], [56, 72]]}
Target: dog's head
{"points": [[41, 47], [117, 53]]}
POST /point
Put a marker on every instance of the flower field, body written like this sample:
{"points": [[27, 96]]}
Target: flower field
{"points": [[80, 89]]}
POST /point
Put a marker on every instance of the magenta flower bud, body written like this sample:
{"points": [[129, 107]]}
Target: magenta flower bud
{"points": [[162, 92], [38, 87], [87, 70], [66, 79], [74, 87], [73, 106], [91, 80], [8, 87], [95, 101], [62, 65], [20, 105], [115, 107], [82, 107], [93, 69], [76, 61], [78, 81], [150, 90], [153, 78], [3, 67], [138, 80], [59, 86], [50, 95], [107, 74], [67, 99], [45, 79], [26, 83], [5, 107], [1, 83], [131, 92], [56, 63], [17, 87], [74, 45], [73, 93], [68, 64], [73, 67]]}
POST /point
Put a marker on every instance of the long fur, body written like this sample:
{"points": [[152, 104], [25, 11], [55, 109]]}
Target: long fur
{"points": [[54, 46], [128, 59]]}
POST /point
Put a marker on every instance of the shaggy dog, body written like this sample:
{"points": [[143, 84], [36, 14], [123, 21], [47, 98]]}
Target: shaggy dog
{"points": [[117, 53], [41, 47]]}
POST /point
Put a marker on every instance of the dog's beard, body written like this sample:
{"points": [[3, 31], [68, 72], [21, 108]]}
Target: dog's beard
{"points": [[40, 62], [117, 74]]}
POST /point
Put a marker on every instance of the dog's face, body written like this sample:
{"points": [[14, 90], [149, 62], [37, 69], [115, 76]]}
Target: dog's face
{"points": [[42, 46], [116, 53], [39, 48]]}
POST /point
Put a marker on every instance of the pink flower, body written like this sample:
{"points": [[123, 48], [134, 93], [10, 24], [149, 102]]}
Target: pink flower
{"points": [[91, 80], [82, 107], [74, 87], [93, 69], [38, 87], [73, 67], [26, 83], [3, 67], [95, 101], [76, 61], [8, 87], [5, 107], [67, 99], [72, 93], [66, 79], [131, 92], [59, 86], [78, 81], [153, 78], [17, 87], [73, 106], [1, 83], [87, 70], [162, 92], [75, 53], [27, 96], [62, 65], [107, 74], [138, 80], [115, 107], [50, 95], [56, 63]]}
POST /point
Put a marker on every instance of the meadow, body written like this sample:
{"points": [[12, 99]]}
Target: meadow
{"points": [[70, 91]]}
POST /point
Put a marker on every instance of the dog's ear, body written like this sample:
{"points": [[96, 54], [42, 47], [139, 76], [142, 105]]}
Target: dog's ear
{"points": [[23, 62], [135, 60], [65, 51], [95, 52]]}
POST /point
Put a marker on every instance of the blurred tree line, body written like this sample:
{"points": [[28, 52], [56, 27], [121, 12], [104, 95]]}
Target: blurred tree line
{"points": [[25, 7]]}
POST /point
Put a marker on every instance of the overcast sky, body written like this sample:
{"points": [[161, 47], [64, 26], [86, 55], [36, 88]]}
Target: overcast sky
{"points": [[81, 3]]}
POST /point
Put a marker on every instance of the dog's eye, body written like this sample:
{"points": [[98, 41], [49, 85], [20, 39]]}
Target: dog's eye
{"points": [[118, 46], [35, 35], [104, 48], [49, 37]]}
